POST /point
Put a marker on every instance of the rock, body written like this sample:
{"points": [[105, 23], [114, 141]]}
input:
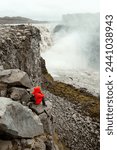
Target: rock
{"points": [[17, 120], [27, 143], [20, 48], [39, 145], [39, 109], [6, 145], [44, 113], [43, 66], [47, 124], [3, 89], [5, 73], [15, 77], [1, 68], [19, 94], [30, 143]]}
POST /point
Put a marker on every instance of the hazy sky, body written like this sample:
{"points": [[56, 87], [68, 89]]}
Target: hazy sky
{"points": [[46, 9]]}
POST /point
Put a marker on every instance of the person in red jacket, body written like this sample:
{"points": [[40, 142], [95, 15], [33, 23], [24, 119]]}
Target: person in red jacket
{"points": [[39, 96]]}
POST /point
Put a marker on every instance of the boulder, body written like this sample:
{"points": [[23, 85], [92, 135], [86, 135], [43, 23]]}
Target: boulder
{"points": [[18, 121], [19, 94], [15, 77], [44, 113]]}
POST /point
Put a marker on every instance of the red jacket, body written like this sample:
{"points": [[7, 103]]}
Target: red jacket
{"points": [[38, 95]]}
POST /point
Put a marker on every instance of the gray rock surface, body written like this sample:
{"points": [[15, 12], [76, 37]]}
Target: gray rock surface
{"points": [[17, 120], [1, 68], [4, 73], [45, 116], [20, 48], [39, 109], [19, 94], [15, 77]]}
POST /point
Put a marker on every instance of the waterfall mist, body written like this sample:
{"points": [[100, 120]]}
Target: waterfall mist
{"points": [[76, 43]]}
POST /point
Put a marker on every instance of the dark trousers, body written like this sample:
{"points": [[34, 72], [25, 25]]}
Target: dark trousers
{"points": [[43, 102]]}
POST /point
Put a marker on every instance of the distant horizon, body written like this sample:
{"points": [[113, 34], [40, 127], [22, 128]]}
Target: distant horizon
{"points": [[37, 19]]}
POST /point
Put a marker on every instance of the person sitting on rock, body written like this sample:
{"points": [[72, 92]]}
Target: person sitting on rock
{"points": [[39, 96]]}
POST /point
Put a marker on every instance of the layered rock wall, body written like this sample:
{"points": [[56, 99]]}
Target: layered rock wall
{"points": [[20, 48]]}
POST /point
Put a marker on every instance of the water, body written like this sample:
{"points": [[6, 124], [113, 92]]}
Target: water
{"points": [[73, 56]]}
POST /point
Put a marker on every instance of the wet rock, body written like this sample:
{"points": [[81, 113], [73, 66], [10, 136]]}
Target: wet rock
{"points": [[15, 77], [17, 120]]}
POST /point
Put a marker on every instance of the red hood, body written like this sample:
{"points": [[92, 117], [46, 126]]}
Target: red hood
{"points": [[36, 90]]}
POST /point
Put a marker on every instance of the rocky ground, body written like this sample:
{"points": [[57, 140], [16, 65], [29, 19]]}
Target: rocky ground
{"points": [[78, 132]]}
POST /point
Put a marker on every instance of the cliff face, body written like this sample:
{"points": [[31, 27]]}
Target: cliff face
{"points": [[20, 48]]}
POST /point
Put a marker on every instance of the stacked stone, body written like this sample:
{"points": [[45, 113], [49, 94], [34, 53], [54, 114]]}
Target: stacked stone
{"points": [[20, 126]]}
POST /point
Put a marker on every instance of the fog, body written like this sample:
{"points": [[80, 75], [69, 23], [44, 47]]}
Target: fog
{"points": [[76, 44], [46, 9]]}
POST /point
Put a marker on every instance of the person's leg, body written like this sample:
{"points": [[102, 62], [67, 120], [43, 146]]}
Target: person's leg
{"points": [[32, 99], [43, 102]]}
